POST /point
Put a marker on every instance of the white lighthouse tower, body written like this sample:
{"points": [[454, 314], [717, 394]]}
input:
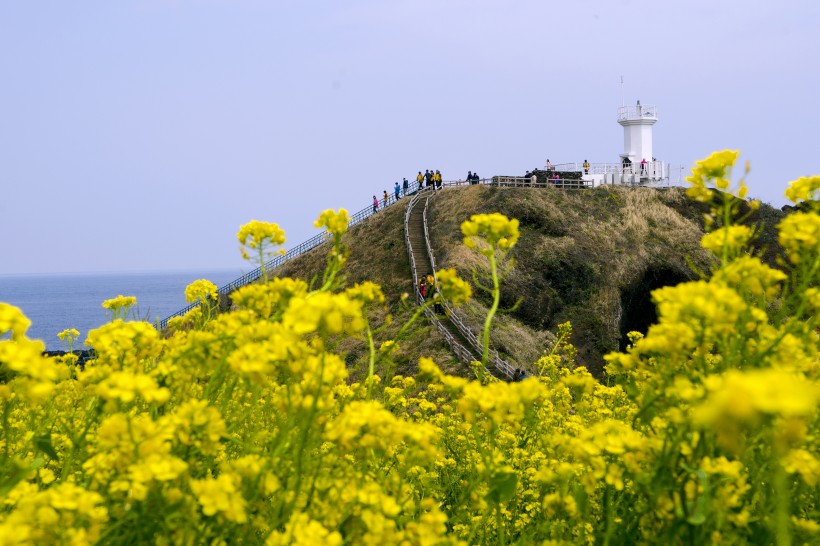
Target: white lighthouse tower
{"points": [[637, 158]]}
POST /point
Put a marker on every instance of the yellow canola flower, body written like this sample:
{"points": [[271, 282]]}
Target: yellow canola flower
{"points": [[750, 275], [452, 287], [366, 292], [716, 167], [120, 303], [256, 233], [13, 320], [734, 238], [63, 514], [500, 402], [267, 299], [799, 235], [200, 290], [805, 188], [496, 229], [325, 313], [221, 496], [722, 465], [126, 387], [199, 425], [803, 463], [692, 313], [335, 222], [368, 425], [119, 306], [122, 344], [71, 334], [303, 531], [744, 397]]}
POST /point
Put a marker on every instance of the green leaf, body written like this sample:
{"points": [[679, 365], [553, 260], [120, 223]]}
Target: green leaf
{"points": [[43, 443], [502, 487]]}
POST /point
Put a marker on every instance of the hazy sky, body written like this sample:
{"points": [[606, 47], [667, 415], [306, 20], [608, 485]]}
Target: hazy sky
{"points": [[139, 135]]}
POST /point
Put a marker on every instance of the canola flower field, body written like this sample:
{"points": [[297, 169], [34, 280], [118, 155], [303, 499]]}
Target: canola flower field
{"points": [[241, 427]]}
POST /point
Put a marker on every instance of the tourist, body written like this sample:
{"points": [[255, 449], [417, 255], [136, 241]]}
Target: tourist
{"points": [[549, 166], [586, 167], [470, 177], [405, 186], [475, 178], [420, 180], [428, 177], [375, 204], [643, 166], [386, 198], [397, 191], [437, 179]]}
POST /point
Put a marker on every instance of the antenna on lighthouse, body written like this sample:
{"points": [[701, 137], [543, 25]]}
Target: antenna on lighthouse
{"points": [[623, 103]]}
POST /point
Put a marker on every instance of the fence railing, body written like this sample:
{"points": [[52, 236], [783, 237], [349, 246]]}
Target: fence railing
{"points": [[501, 365], [461, 352]]}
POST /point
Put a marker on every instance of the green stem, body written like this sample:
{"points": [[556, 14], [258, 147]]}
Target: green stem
{"points": [[496, 301], [372, 364], [781, 506]]}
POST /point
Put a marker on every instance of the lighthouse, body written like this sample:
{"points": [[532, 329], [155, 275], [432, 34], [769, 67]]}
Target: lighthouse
{"points": [[637, 157]]}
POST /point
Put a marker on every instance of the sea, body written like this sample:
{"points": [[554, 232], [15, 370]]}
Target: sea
{"points": [[56, 302]]}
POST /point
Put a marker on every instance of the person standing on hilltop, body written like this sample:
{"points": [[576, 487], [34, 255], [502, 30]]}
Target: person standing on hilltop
{"points": [[549, 166], [643, 166], [397, 191], [375, 204], [405, 186], [420, 180], [586, 167], [470, 177], [427, 177], [386, 199], [437, 177]]}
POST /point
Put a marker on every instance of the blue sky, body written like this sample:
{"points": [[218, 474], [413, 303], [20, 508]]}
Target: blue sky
{"points": [[139, 135]]}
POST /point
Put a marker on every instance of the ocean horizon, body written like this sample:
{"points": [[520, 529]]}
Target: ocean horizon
{"points": [[57, 301]]}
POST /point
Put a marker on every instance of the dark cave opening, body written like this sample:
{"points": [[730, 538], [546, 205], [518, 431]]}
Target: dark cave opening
{"points": [[637, 310]]}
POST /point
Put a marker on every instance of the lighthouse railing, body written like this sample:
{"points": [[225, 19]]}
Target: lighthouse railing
{"points": [[637, 112]]}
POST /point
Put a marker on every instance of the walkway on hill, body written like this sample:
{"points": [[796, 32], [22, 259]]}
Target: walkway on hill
{"points": [[463, 342]]}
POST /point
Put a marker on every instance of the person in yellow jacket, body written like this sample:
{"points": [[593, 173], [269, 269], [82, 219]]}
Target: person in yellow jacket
{"points": [[437, 179], [586, 167], [420, 180]]}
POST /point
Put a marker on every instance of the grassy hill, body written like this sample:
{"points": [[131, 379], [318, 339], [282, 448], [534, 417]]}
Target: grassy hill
{"points": [[590, 257]]}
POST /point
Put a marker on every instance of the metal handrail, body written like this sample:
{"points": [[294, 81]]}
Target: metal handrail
{"points": [[501, 365], [459, 350]]}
